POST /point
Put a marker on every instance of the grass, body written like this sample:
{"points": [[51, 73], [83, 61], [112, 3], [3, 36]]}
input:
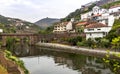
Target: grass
{"points": [[3, 70]]}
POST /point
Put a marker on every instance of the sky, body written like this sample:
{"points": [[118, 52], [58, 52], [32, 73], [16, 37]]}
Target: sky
{"points": [[34, 10]]}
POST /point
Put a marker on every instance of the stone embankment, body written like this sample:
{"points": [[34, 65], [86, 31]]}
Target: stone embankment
{"points": [[78, 50]]}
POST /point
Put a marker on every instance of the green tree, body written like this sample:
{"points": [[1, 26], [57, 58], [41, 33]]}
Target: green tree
{"points": [[116, 43]]}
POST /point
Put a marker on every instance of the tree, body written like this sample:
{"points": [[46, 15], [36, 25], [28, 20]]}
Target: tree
{"points": [[116, 43]]}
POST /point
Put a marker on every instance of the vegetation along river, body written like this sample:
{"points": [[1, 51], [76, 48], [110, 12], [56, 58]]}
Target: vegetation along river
{"points": [[42, 61]]}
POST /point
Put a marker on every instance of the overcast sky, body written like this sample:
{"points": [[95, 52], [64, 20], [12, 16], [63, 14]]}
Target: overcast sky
{"points": [[34, 10]]}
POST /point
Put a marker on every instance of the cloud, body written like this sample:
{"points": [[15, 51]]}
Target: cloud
{"points": [[33, 10]]}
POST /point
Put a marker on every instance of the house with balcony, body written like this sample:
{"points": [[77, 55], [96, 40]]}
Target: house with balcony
{"points": [[96, 30]]}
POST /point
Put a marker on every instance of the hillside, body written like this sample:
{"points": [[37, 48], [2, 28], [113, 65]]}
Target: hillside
{"points": [[111, 4], [46, 22], [77, 13], [88, 7], [14, 25]]}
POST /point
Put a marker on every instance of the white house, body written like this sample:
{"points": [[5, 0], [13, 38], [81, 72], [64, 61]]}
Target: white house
{"points": [[101, 28], [95, 30], [98, 10], [106, 19], [85, 16], [114, 9], [95, 11], [1, 30]]}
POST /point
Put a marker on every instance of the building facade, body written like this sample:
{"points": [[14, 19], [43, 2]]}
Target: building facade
{"points": [[96, 30]]}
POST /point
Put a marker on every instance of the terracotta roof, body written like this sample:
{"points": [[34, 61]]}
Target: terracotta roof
{"points": [[96, 15], [115, 6], [61, 23], [64, 23], [81, 23], [96, 25]]}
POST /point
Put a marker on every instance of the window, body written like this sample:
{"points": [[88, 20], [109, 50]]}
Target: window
{"points": [[104, 33], [90, 34], [98, 29], [90, 29]]}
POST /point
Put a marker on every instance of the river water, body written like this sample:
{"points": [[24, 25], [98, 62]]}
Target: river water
{"points": [[43, 61]]}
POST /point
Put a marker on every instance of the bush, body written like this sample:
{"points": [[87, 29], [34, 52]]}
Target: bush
{"points": [[90, 42], [80, 44], [116, 43], [83, 43], [74, 41], [105, 43]]}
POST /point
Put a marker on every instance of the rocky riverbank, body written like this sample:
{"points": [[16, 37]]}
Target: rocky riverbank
{"points": [[10, 66], [79, 50]]}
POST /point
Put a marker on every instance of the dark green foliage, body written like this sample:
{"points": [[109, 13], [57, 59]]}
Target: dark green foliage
{"points": [[74, 41], [115, 32], [105, 43], [83, 43], [90, 42], [48, 30], [10, 43]]}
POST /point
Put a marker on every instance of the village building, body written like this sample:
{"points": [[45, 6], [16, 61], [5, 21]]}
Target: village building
{"points": [[79, 27], [115, 11], [95, 11], [102, 22], [96, 30], [64, 27], [1, 30]]}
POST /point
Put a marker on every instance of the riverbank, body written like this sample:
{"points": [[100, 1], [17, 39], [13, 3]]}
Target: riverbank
{"points": [[79, 50], [3, 70], [9, 65]]}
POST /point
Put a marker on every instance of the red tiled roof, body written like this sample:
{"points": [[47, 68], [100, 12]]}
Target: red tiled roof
{"points": [[97, 15], [81, 23], [96, 25], [64, 23]]}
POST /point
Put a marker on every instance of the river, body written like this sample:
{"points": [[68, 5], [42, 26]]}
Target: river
{"points": [[43, 61]]}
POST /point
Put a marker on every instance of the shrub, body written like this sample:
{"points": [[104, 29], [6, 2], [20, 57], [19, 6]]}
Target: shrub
{"points": [[116, 43], [16, 60], [105, 43], [90, 42], [74, 40]]}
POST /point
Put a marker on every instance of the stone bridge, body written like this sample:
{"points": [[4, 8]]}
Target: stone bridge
{"points": [[34, 38]]}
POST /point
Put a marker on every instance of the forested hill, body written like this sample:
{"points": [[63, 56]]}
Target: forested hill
{"points": [[9, 25], [47, 22]]}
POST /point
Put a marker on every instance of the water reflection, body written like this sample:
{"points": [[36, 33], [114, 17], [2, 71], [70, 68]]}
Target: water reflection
{"points": [[21, 49], [42, 61]]}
